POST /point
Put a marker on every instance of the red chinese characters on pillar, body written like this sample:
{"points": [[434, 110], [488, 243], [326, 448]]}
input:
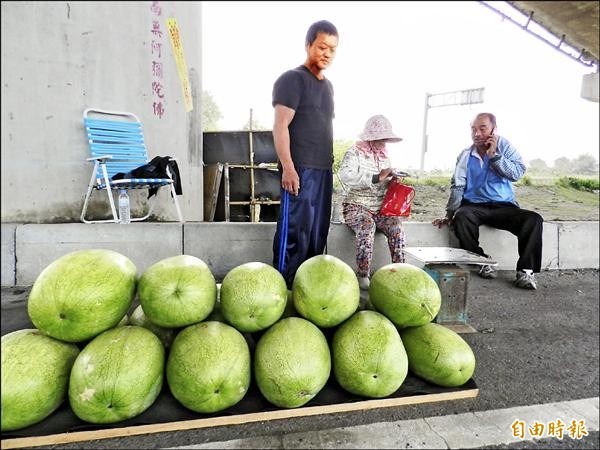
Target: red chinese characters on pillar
{"points": [[158, 96], [158, 109], [155, 8], [156, 28], [155, 48], [157, 89], [157, 69]]}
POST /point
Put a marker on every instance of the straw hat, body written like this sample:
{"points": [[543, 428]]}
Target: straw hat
{"points": [[379, 127]]}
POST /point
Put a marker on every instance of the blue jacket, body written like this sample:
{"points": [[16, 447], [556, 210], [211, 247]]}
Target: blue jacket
{"points": [[507, 163]]}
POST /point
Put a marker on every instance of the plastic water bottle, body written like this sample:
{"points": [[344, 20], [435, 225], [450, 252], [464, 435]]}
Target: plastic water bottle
{"points": [[124, 212]]}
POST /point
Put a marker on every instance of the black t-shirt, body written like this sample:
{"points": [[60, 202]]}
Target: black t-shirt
{"points": [[311, 129]]}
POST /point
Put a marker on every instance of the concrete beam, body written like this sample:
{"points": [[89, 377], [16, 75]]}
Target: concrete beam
{"points": [[590, 87]]}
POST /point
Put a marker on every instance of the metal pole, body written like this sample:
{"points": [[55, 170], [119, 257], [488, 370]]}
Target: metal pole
{"points": [[226, 191], [253, 210], [424, 142]]}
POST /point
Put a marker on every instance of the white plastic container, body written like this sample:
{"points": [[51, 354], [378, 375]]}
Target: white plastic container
{"points": [[124, 211]]}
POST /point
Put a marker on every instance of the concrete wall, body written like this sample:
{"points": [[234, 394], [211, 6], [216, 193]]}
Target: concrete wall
{"points": [[59, 58], [28, 249]]}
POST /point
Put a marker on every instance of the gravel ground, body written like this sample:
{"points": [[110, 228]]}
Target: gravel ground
{"points": [[552, 202]]}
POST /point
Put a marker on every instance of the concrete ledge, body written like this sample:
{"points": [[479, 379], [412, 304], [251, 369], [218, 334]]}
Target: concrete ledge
{"points": [[28, 249], [418, 234], [225, 245], [503, 246], [143, 243], [7, 249], [578, 244]]}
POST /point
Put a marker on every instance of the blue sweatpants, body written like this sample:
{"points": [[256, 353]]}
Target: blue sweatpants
{"points": [[303, 222]]}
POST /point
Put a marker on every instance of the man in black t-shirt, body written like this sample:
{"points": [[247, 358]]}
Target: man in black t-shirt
{"points": [[303, 137]]}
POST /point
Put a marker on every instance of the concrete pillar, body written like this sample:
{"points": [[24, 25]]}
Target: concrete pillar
{"points": [[59, 58]]}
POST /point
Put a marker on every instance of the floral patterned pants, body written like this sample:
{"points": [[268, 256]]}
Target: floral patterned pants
{"points": [[364, 223]]}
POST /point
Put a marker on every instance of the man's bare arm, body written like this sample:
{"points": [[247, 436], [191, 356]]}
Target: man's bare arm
{"points": [[281, 138]]}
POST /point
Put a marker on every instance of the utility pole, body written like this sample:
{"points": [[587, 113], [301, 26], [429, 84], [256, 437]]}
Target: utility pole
{"points": [[464, 97], [424, 141]]}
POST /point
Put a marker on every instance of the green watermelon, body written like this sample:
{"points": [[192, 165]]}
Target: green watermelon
{"points": [[35, 377], [117, 376], [82, 294], [177, 291], [208, 368], [292, 362], [368, 356], [166, 335], [325, 291], [253, 296], [405, 294], [438, 355]]}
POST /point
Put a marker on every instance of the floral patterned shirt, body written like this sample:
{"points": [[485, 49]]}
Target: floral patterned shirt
{"points": [[356, 174]]}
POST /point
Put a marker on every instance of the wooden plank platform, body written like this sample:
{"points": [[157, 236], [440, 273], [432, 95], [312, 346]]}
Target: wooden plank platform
{"points": [[469, 390], [167, 415]]}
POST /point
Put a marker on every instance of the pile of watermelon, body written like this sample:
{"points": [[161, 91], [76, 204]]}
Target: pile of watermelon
{"points": [[107, 341]]}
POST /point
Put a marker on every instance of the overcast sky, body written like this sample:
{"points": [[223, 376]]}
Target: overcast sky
{"points": [[390, 55]]}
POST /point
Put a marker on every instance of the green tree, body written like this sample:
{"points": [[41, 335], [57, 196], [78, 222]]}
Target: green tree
{"points": [[538, 166], [210, 112], [585, 164], [562, 165], [339, 148]]}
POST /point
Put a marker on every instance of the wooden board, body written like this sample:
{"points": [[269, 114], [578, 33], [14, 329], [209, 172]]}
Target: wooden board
{"points": [[212, 182], [79, 436]]}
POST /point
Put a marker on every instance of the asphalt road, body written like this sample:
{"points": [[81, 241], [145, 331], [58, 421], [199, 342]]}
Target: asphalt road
{"points": [[532, 347]]}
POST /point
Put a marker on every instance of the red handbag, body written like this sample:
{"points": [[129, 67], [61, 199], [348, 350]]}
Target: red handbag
{"points": [[397, 200]]}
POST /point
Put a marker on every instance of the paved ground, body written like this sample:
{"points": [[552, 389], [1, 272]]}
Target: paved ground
{"points": [[533, 348], [467, 430]]}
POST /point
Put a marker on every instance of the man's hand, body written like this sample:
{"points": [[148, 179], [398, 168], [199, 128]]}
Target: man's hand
{"points": [[441, 222], [492, 141], [290, 181]]}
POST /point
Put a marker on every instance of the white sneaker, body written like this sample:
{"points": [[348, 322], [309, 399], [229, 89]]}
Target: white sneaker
{"points": [[525, 279], [363, 283]]}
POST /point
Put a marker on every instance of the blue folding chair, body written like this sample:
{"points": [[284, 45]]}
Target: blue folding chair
{"points": [[117, 146]]}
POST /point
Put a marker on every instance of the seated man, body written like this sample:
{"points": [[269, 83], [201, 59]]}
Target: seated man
{"points": [[481, 193]]}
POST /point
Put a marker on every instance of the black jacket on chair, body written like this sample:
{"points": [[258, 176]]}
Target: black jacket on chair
{"points": [[156, 168]]}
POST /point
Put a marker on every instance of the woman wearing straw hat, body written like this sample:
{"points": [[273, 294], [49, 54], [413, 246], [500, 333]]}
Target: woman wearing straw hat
{"points": [[366, 172]]}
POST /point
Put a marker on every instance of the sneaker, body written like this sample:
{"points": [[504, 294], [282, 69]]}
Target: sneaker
{"points": [[525, 279], [487, 271], [363, 283]]}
